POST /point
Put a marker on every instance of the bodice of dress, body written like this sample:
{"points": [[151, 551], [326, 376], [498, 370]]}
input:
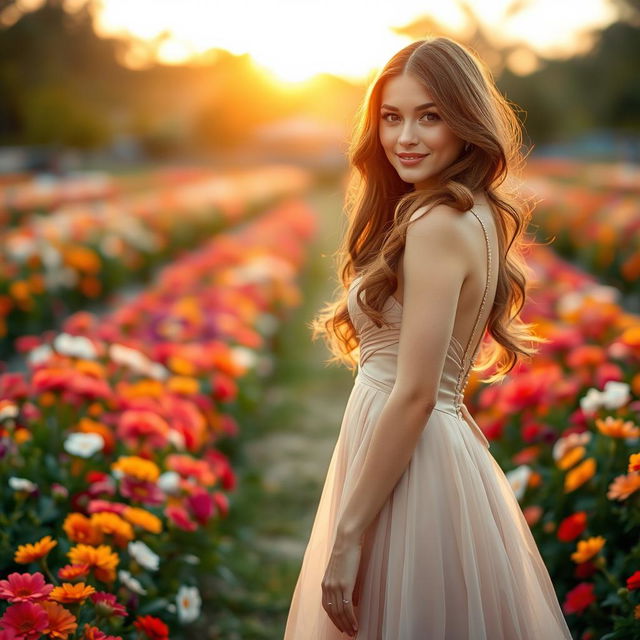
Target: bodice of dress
{"points": [[379, 347]]}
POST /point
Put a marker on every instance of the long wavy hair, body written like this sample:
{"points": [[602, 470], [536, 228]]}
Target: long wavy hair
{"points": [[379, 204]]}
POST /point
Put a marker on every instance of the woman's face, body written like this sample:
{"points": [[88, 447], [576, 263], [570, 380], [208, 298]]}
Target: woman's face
{"points": [[408, 126]]}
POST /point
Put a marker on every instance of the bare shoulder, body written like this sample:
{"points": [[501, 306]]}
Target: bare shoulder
{"points": [[441, 221]]}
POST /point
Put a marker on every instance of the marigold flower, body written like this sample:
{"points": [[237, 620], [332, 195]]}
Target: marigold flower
{"points": [[571, 457], [579, 598], [102, 560], [623, 486], [73, 571], [24, 587], [577, 476], [79, 528], [113, 525], [634, 462], [572, 526], [67, 592], [137, 468], [617, 427], [61, 622], [31, 552], [143, 518], [588, 548]]}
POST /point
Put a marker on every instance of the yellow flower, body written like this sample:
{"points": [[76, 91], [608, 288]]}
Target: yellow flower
{"points": [[71, 593], [112, 524], [617, 428], [102, 560], [634, 462], [587, 549], [183, 384], [136, 467], [31, 552], [579, 475], [143, 518], [570, 458]]}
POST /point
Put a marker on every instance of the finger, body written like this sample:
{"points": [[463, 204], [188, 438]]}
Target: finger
{"points": [[338, 611], [350, 614]]}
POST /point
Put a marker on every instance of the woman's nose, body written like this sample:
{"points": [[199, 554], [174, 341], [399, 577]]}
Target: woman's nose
{"points": [[407, 133]]}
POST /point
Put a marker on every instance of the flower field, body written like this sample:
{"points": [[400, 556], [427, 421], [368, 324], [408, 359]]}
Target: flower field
{"points": [[566, 429], [58, 262], [113, 470]]}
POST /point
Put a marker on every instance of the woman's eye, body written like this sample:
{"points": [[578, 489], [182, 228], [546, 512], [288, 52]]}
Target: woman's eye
{"points": [[429, 113]]}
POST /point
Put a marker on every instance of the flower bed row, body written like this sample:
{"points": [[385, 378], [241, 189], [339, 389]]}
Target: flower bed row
{"points": [[113, 475], [53, 265], [566, 426], [595, 227]]}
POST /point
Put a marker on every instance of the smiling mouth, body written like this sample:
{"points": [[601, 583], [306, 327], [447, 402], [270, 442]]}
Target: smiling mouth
{"points": [[413, 156]]}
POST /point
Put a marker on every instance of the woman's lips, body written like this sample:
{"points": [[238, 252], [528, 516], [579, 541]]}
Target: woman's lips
{"points": [[412, 161]]}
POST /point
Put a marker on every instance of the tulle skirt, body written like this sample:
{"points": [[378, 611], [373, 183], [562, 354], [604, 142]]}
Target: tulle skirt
{"points": [[449, 556]]}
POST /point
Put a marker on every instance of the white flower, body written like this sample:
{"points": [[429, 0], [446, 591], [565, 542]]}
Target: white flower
{"points": [[38, 354], [189, 601], [176, 439], [592, 401], [191, 558], [518, 479], [131, 583], [615, 394], [83, 445], [75, 346], [22, 484], [137, 361], [144, 556], [9, 411], [244, 357], [169, 481]]}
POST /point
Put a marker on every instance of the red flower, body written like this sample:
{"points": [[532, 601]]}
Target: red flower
{"points": [[27, 620], [572, 526], [585, 570], [634, 581], [179, 516], [24, 587], [579, 598], [152, 627], [107, 605]]}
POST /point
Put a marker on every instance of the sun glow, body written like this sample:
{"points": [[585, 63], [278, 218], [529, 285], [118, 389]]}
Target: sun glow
{"points": [[296, 39]]}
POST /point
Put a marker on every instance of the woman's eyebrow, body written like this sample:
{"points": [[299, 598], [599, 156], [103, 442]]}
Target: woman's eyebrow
{"points": [[418, 108]]}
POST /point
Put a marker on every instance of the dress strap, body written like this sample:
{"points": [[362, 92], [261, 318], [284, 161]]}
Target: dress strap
{"points": [[465, 370]]}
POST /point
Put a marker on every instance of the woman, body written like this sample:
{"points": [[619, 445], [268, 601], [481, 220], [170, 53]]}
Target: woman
{"points": [[418, 534]]}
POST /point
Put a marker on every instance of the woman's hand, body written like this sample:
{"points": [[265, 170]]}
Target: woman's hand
{"points": [[339, 584]]}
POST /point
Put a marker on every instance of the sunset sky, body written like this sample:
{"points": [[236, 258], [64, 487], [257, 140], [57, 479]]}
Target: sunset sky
{"points": [[295, 39]]}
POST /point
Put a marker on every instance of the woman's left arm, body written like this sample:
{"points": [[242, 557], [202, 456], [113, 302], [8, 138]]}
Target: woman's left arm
{"points": [[434, 268]]}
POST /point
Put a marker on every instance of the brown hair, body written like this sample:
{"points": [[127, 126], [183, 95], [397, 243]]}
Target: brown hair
{"points": [[379, 203]]}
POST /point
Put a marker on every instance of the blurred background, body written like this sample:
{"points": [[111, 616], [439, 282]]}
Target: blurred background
{"points": [[172, 178]]}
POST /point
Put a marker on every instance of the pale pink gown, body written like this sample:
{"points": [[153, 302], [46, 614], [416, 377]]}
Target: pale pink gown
{"points": [[450, 555]]}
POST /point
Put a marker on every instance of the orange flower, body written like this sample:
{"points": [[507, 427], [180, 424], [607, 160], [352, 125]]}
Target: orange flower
{"points": [[31, 552], [570, 458], [113, 525], [101, 559], [80, 529], [579, 475], [183, 384], [587, 549], [73, 571], [143, 518], [136, 467], [617, 428], [61, 622], [72, 593], [623, 486], [634, 462], [86, 425]]}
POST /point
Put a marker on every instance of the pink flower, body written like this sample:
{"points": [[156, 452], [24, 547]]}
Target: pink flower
{"points": [[27, 620], [107, 605], [201, 506], [180, 517], [141, 491], [24, 587]]}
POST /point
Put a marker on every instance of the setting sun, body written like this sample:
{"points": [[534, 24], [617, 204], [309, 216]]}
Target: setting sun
{"points": [[297, 40]]}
